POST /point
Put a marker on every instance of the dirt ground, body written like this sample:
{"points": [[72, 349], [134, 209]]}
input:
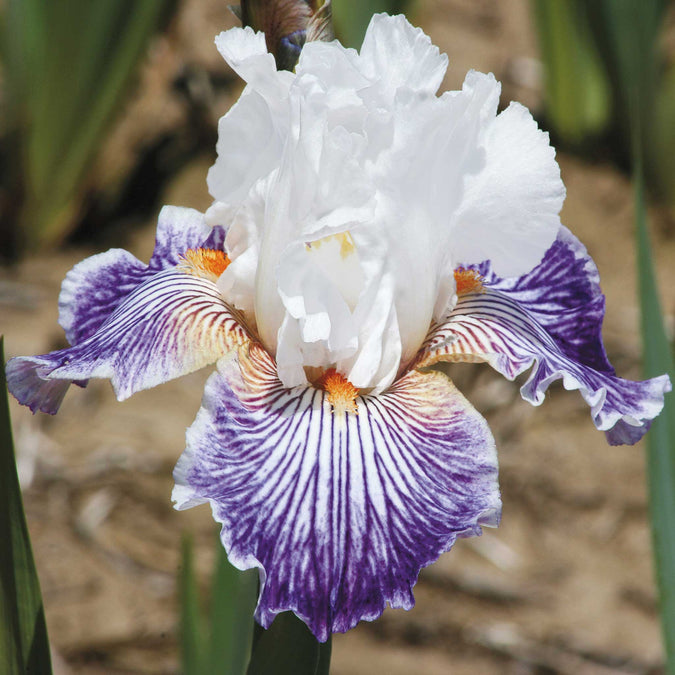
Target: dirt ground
{"points": [[563, 586]]}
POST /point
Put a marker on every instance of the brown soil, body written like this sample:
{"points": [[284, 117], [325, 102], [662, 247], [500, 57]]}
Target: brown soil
{"points": [[564, 586]]}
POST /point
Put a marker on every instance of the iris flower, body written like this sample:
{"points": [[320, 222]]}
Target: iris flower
{"points": [[363, 229]]}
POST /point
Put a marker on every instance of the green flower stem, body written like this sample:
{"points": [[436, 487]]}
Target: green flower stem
{"points": [[288, 647]]}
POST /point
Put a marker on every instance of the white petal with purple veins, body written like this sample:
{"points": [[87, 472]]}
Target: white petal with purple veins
{"points": [[95, 287], [171, 325], [550, 319], [338, 510]]}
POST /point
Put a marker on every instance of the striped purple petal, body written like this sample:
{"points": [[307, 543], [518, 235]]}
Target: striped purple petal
{"points": [[550, 319], [338, 510], [94, 288], [563, 296], [172, 324]]}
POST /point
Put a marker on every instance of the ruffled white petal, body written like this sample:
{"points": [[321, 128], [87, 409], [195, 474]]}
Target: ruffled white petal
{"points": [[509, 213], [249, 146], [358, 143], [246, 53], [402, 56]]}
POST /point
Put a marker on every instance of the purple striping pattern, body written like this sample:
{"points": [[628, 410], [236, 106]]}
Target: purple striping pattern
{"points": [[95, 287], [340, 511], [494, 327], [562, 294], [172, 324]]}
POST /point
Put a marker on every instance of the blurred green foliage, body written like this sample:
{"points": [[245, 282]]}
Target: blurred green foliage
{"points": [[631, 95], [595, 78], [66, 67], [577, 94], [625, 34], [658, 359], [351, 17], [288, 647]]}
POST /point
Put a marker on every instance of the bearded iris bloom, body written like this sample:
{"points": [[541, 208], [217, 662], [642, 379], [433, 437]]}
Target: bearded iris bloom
{"points": [[363, 229]]}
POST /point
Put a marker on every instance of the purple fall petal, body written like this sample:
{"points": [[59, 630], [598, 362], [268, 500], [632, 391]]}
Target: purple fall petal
{"points": [[95, 287], [550, 319], [562, 294], [339, 511], [172, 324]]}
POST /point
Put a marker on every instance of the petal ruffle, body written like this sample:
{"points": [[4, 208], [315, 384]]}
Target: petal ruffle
{"points": [[509, 211], [550, 318], [171, 325], [339, 511], [402, 55], [94, 288]]}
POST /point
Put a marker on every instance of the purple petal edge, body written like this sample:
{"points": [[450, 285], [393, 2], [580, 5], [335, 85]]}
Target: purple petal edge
{"points": [[562, 293], [29, 386]]}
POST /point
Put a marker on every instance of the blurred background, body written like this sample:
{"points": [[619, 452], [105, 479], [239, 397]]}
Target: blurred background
{"points": [[110, 110]]}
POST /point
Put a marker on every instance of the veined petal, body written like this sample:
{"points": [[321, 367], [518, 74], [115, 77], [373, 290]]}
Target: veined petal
{"points": [[563, 295], [94, 288], [180, 229], [549, 319], [338, 510], [171, 325]]}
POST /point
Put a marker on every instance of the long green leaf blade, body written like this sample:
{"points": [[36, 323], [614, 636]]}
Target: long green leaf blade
{"points": [[64, 92], [232, 604], [24, 647], [661, 438]]}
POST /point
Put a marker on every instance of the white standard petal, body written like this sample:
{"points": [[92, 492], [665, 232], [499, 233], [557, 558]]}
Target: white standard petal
{"points": [[246, 53], [250, 143], [318, 328], [401, 55], [509, 214], [320, 190]]}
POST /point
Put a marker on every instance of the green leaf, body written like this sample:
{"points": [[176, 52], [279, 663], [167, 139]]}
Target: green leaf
{"points": [[288, 647], [627, 33], [662, 138], [630, 34], [233, 597], [191, 628], [658, 359], [223, 644], [24, 647]]}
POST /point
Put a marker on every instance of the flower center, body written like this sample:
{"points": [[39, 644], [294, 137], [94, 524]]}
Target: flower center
{"points": [[468, 281], [341, 392], [207, 263]]}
